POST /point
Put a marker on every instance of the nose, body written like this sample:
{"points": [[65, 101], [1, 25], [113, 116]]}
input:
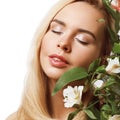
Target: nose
{"points": [[65, 45]]}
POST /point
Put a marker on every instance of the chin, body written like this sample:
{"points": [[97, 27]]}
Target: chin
{"points": [[53, 74]]}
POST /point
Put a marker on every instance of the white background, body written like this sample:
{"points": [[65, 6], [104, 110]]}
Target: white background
{"points": [[18, 22]]}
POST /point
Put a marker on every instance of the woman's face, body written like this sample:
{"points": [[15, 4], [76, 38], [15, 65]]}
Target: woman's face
{"points": [[74, 38]]}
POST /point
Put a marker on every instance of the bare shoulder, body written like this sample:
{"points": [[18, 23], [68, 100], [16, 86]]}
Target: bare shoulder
{"points": [[12, 116]]}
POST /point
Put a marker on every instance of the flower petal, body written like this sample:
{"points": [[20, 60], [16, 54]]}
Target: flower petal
{"points": [[72, 95], [113, 65]]}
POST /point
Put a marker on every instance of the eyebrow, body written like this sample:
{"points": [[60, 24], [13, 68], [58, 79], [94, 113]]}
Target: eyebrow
{"points": [[59, 22], [80, 29]]}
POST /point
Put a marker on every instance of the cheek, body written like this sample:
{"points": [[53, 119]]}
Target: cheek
{"points": [[84, 56], [47, 44]]}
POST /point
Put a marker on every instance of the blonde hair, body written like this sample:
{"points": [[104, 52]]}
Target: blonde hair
{"points": [[33, 105]]}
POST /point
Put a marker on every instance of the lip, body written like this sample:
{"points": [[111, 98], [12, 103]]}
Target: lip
{"points": [[58, 61]]}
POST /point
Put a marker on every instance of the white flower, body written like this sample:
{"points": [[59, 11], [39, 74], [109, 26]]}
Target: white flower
{"points": [[119, 34], [72, 95], [113, 66], [112, 53], [98, 84], [114, 2], [115, 117]]}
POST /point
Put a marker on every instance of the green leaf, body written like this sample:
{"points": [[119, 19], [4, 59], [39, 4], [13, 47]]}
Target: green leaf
{"points": [[92, 107], [113, 104], [117, 20], [104, 116], [116, 16], [112, 34], [77, 73], [110, 82], [116, 88], [106, 107], [90, 114], [110, 10], [101, 69], [101, 20], [73, 114], [116, 48], [93, 66]]}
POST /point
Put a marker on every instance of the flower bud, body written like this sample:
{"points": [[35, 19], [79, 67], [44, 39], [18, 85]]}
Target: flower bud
{"points": [[98, 84]]}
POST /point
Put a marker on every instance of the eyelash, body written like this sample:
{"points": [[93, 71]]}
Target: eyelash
{"points": [[57, 32], [82, 42]]}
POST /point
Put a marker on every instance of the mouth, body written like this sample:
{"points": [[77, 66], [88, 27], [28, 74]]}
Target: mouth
{"points": [[58, 61]]}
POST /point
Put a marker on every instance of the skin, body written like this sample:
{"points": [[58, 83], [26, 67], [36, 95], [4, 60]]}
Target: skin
{"points": [[76, 35], [78, 48]]}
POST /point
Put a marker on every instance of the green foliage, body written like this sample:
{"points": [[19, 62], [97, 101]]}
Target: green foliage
{"points": [[94, 65], [116, 16], [73, 114], [107, 96], [70, 76], [90, 114], [116, 48]]}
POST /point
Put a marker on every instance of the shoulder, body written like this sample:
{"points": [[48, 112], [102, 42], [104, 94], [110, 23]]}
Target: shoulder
{"points": [[12, 116]]}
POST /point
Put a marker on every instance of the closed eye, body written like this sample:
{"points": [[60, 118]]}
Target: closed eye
{"points": [[57, 32], [82, 42]]}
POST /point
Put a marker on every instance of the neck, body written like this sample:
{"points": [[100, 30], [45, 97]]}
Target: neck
{"points": [[55, 103]]}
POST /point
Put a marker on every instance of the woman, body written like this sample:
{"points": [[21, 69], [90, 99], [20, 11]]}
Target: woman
{"points": [[71, 35]]}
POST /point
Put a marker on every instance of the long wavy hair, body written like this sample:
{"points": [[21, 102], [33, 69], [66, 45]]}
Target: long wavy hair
{"points": [[34, 102]]}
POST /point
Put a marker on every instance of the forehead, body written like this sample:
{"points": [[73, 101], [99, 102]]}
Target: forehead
{"points": [[81, 14]]}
